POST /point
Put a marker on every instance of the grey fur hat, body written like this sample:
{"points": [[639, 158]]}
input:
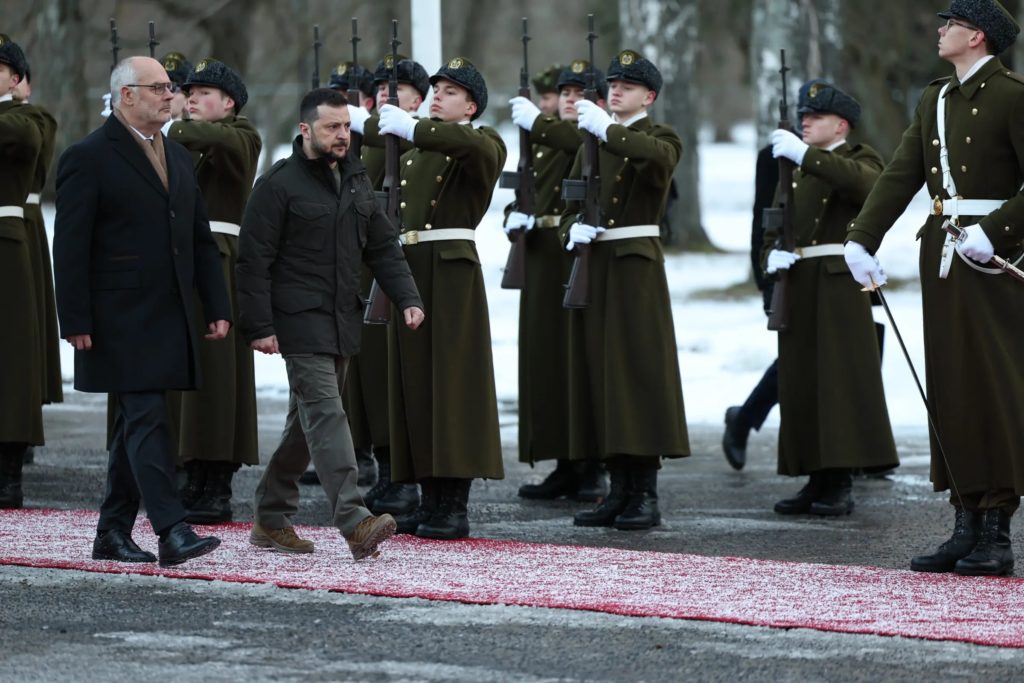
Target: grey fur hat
{"points": [[631, 66], [990, 16], [12, 55], [410, 72], [209, 71], [177, 67], [821, 97], [461, 71], [576, 74], [345, 72]]}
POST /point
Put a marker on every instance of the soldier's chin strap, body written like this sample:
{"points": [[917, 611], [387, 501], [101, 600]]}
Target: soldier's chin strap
{"points": [[927, 406]]}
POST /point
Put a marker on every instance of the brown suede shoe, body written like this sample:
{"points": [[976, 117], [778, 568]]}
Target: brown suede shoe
{"points": [[284, 540], [370, 533]]}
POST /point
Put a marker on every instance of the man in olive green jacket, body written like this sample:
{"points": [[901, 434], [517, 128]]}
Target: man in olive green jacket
{"points": [[217, 432], [829, 365], [625, 395], [441, 395], [972, 312]]}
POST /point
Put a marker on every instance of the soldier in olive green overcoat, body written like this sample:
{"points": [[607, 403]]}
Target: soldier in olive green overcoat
{"points": [[972, 312], [443, 406], [829, 362], [626, 396]]}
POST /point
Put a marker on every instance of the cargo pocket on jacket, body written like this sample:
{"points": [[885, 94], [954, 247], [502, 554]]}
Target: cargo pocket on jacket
{"points": [[364, 212], [307, 228], [295, 301]]}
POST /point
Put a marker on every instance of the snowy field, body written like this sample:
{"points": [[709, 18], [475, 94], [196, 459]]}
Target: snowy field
{"points": [[723, 343]]}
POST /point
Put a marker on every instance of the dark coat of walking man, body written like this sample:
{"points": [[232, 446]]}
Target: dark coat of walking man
{"points": [[131, 240], [966, 141], [311, 222]]}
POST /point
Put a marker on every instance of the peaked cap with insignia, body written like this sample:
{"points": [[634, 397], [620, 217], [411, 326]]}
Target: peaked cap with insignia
{"points": [[821, 97], [631, 66]]}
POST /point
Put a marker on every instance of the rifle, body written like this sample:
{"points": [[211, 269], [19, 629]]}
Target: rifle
{"points": [[378, 307], [316, 56], [586, 190], [114, 47], [781, 218], [522, 180], [153, 42], [355, 96]]}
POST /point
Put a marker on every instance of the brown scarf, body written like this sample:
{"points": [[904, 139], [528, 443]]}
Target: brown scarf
{"points": [[154, 152]]}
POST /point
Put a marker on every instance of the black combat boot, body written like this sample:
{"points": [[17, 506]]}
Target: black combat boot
{"points": [[367, 467], [613, 504], [836, 497], [993, 555], [451, 517], [195, 482], [392, 498], [801, 503], [214, 505], [407, 524], [734, 441], [642, 509], [561, 482], [12, 458], [309, 478], [966, 531], [591, 481]]}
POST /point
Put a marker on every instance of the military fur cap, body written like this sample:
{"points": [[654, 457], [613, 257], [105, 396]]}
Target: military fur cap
{"points": [[177, 67], [346, 72], [219, 75], [462, 72], [988, 15], [547, 81], [632, 67], [821, 97], [409, 71], [576, 74], [12, 55]]}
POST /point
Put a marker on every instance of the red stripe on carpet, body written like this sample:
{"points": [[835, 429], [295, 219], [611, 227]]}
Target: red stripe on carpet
{"points": [[845, 599]]}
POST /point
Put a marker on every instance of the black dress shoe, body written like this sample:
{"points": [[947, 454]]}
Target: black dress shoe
{"points": [[118, 546], [181, 544], [966, 530], [734, 441]]}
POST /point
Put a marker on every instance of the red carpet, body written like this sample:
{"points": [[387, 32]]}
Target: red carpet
{"points": [[479, 571]]}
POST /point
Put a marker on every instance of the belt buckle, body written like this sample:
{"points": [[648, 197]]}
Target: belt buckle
{"points": [[937, 206], [412, 237]]}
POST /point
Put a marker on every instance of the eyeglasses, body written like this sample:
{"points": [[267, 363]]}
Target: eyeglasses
{"points": [[157, 88], [950, 23]]}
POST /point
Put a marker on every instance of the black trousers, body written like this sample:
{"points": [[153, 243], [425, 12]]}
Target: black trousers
{"points": [[141, 465]]}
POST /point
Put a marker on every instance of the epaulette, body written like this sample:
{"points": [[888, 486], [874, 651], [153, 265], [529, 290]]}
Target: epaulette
{"points": [[1013, 75]]}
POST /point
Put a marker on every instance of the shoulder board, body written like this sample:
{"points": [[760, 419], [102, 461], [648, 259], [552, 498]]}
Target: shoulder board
{"points": [[1013, 75], [941, 81]]}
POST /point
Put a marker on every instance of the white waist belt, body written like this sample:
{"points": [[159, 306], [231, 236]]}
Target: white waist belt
{"points": [[417, 236], [550, 221], [32, 198], [965, 207], [225, 228], [12, 212], [820, 250], [628, 232]]}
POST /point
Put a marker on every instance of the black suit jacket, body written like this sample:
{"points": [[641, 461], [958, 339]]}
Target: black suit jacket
{"points": [[126, 255]]}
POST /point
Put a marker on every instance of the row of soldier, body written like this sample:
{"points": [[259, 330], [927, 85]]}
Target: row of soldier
{"points": [[599, 387]]}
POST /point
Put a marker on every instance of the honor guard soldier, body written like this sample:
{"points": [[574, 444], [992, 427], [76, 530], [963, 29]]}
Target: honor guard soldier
{"points": [[625, 395], [545, 84], [342, 78], [969, 149], [543, 320], [21, 357], [178, 69], [829, 364], [441, 395], [217, 431]]}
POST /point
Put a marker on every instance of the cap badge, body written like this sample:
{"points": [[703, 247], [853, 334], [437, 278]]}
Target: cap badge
{"points": [[578, 66], [457, 63]]}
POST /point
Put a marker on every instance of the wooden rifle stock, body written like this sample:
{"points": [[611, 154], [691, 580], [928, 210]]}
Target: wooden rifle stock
{"points": [[522, 181], [781, 217]]}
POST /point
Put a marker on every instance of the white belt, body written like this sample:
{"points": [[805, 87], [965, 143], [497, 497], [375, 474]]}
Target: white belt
{"points": [[12, 212], [965, 207], [32, 198], [550, 221], [819, 250], [226, 228], [628, 232], [417, 236]]}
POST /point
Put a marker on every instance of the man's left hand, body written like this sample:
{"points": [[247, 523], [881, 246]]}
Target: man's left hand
{"points": [[218, 329], [395, 121], [414, 317], [593, 119], [786, 144], [977, 245]]}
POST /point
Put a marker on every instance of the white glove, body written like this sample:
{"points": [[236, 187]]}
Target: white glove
{"points": [[107, 111], [358, 115], [863, 266], [780, 260], [581, 233], [976, 244], [786, 144], [395, 121], [591, 117], [524, 112], [518, 221]]}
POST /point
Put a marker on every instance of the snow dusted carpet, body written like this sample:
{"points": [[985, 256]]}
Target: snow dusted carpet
{"points": [[632, 583]]}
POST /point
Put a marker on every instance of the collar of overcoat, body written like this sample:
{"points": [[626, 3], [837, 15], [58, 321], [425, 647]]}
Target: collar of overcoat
{"points": [[975, 82], [127, 146]]}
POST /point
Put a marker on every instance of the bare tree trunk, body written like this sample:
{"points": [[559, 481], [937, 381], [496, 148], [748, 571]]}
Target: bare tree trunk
{"points": [[666, 32]]}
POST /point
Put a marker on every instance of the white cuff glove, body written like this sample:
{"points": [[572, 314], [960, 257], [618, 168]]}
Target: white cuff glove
{"points": [[395, 121], [863, 266], [581, 233], [518, 221], [592, 118], [976, 244], [780, 260], [107, 111], [358, 115], [786, 144], [524, 112]]}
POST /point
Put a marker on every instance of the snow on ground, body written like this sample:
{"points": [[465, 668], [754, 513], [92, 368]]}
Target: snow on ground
{"points": [[723, 344]]}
